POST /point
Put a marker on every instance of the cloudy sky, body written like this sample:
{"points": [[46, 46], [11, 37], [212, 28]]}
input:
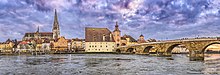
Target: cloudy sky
{"points": [[159, 19]]}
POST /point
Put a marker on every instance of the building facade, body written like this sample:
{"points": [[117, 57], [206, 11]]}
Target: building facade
{"points": [[98, 40], [61, 44], [26, 46], [46, 46], [78, 45], [7, 46], [127, 40]]}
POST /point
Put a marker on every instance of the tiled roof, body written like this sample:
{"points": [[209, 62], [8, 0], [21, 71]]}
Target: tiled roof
{"points": [[128, 36], [24, 42], [97, 35], [46, 41], [141, 41], [40, 33], [77, 39], [39, 41]]}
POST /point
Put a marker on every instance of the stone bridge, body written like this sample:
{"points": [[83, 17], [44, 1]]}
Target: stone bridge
{"points": [[196, 47]]}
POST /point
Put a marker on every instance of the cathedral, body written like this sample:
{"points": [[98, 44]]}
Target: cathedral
{"points": [[55, 34]]}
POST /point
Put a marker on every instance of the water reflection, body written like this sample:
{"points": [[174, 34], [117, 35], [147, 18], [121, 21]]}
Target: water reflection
{"points": [[111, 64], [212, 64]]}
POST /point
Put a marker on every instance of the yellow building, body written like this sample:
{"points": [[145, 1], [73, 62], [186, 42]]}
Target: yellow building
{"points": [[61, 44], [99, 40], [39, 45], [127, 40], [78, 45], [7, 46]]}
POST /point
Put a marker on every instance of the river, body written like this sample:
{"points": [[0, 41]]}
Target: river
{"points": [[107, 64]]}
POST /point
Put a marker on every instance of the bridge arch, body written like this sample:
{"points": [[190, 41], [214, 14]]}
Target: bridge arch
{"points": [[118, 51], [171, 48], [130, 50], [206, 46], [123, 44], [147, 49]]}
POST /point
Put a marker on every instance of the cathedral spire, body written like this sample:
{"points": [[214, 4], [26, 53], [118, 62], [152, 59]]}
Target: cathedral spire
{"points": [[56, 28], [56, 23]]}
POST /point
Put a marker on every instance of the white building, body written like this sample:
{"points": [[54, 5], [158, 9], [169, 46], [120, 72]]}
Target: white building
{"points": [[98, 40]]}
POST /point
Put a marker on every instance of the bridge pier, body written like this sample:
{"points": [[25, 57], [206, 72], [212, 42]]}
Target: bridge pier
{"points": [[167, 54], [196, 55]]}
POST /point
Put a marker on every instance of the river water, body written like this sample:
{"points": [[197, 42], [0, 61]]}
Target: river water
{"points": [[107, 64]]}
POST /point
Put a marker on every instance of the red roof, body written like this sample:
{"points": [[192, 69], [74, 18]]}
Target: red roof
{"points": [[24, 42], [97, 34]]}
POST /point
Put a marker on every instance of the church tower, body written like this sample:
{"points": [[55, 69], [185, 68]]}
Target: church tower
{"points": [[117, 35], [37, 34], [141, 39], [56, 28]]}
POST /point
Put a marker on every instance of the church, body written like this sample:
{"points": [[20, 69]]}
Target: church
{"points": [[55, 34]]}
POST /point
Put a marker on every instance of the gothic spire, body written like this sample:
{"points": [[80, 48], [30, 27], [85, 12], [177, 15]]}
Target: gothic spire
{"points": [[56, 29], [56, 23]]}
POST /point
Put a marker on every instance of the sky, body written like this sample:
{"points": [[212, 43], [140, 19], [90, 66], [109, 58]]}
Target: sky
{"points": [[159, 19]]}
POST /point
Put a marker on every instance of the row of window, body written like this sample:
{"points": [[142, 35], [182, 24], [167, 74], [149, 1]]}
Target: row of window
{"points": [[97, 49], [100, 43], [100, 46]]}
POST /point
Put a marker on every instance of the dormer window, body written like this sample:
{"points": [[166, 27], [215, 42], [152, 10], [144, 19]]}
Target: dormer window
{"points": [[103, 37]]}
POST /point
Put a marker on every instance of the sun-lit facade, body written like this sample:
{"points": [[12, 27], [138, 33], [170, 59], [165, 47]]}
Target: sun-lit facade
{"points": [[99, 40]]}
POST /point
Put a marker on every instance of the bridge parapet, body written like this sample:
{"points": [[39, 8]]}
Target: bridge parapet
{"points": [[196, 47]]}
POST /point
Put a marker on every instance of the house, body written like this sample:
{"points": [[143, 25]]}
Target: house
{"points": [[26, 46], [7, 46], [46, 46], [141, 39], [78, 45], [127, 40], [60, 45]]}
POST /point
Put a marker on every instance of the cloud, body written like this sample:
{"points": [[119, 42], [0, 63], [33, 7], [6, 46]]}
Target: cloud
{"points": [[158, 19]]}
